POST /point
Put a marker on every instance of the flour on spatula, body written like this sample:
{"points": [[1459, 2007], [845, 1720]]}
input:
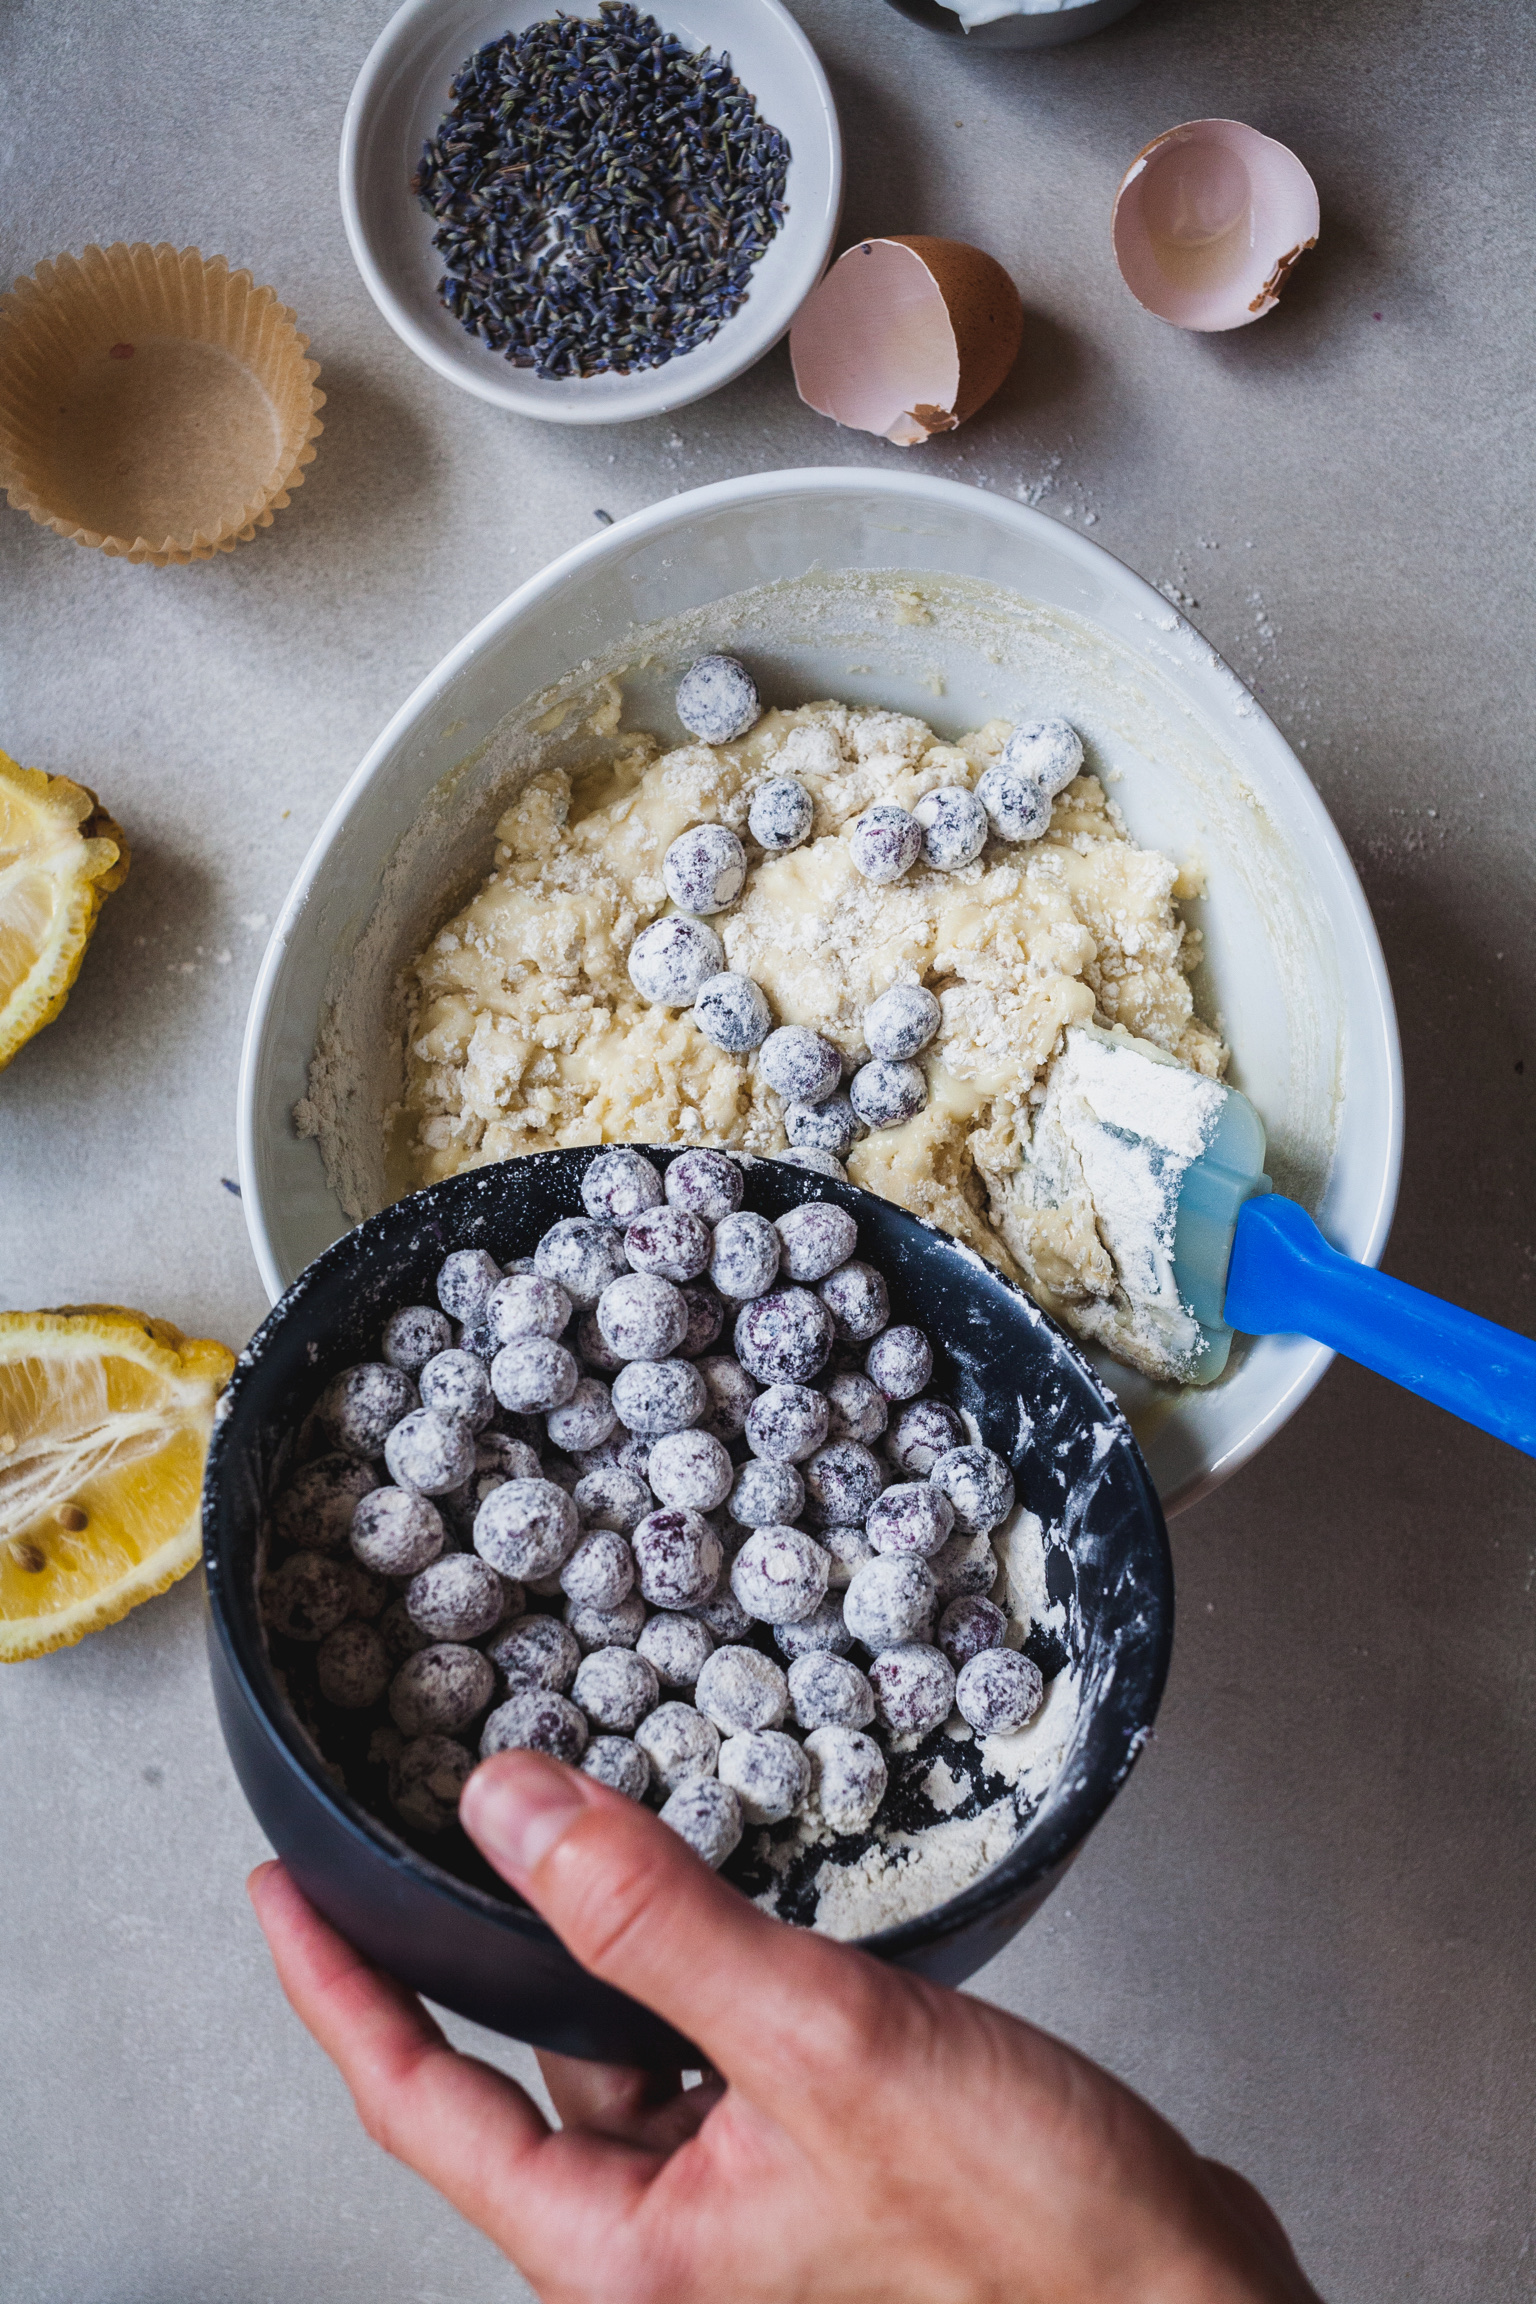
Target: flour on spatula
{"points": [[1115, 1133]]}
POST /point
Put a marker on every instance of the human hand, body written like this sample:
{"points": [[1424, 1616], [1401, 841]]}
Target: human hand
{"points": [[864, 2135]]}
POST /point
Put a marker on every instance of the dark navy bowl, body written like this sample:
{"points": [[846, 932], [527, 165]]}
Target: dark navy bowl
{"points": [[468, 1943], [1052, 30]]}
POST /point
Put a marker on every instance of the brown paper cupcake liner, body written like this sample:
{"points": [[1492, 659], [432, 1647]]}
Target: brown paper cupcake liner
{"points": [[153, 403]]}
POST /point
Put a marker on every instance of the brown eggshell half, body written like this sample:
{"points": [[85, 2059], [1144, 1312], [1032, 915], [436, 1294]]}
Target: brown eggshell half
{"points": [[906, 336]]}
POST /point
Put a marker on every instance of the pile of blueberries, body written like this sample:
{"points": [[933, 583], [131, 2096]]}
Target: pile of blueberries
{"points": [[679, 961], [553, 1515]]}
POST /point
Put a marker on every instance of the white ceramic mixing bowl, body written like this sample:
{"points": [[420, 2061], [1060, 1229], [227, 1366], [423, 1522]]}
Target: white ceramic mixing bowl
{"points": [[876, 587]]}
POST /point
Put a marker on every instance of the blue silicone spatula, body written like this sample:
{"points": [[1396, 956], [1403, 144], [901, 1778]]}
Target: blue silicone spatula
{"points": [[1248, 1260]]}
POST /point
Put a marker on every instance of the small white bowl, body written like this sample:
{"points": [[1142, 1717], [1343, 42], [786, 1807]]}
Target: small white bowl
{"points": [[1019, 613], [399, 101]]}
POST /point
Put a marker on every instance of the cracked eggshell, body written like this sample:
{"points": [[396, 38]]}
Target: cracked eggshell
{"points": [[1209, 221], [906, 336]]}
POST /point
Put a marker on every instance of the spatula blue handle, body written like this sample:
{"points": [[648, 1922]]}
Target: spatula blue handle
{"points": [[1285, 1280]]}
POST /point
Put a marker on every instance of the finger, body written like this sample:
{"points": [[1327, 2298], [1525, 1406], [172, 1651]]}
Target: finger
{"points": [[460, 2125], [771, 2007], [651, 2109]]}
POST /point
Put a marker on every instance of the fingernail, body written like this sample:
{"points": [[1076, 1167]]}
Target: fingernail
{"points": [[516, 1817]]}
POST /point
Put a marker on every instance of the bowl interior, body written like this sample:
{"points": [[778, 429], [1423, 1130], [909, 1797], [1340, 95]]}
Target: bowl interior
{"points": [[997, 1358], [933, 598], [400, 99]]}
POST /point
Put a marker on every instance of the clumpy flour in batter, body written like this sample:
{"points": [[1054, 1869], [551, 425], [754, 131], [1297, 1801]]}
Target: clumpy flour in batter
{"points": [[525, 1031]]}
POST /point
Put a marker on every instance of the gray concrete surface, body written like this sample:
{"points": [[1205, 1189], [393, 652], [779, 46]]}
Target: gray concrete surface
{"points": [[1305, 1929]]}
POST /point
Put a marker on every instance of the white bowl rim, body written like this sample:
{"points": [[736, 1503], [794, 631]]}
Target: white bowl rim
{"points": [[830, 479], [647, 394]]}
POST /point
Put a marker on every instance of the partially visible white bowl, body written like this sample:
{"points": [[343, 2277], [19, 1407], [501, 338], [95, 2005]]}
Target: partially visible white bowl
{"points": [[401, 95], [1020, 612]]}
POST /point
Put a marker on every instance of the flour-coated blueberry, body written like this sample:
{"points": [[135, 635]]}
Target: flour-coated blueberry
{"points": [[538, 1650], [965, 1567], [800, 1065], [815, 1239], [717, 700], [654, 1397], [702, 871], [857, 1298], [679, 1743], [740, 1689], [849, 1776], [1048, 752], [827, 1127], [888, 1095], [533, 1374], [455, 1383], [744, 1257], [464, 1281], [826, 1691], [900, 1024], [307, 1597], [669, 1245], [1018, 805], [441, 1690], [706, 1318], [781, 814], [425, 1781], [618, 1762], [316, 1507], [620, 1184], [978, 1485], [707, 1814], [690, 1470], [612, 1498], [732, 1013], [786, 1422], [888, 1599], [616, 1687], [601, 1570], [780, 1574], [583, 1256], [677, 1647], [825, 1627], [848, 1548], [678, 1558], [728, 1394], [924, 1431], [457, 1597], [900, 1361], [767, 1495], [910, 1517], [914, 1688], [413, 1334], [955, 827], [642, 1316], [885, 843], [813, 1163], [784, 1338], [527, 1529], [397, 1532], [969, 1625], [429, 1452], [525, 1305], [768, 1772], [535, 1719], [616, 1627], [705, 1184], [358, 1408], [857, 1409], [843, 1481]]}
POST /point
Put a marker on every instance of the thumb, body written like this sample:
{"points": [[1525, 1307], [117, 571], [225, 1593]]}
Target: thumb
{"points": [[771, 2007]]}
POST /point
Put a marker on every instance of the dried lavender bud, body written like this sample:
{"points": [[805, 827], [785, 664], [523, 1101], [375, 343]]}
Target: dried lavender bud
{"points": [[848, 1776], [998, 1692], [536, 1651], [707, 1814], [786, 1423], [911, 1517], [829, 1127], [964, 1568], [704, 1184], [464, 1282], [732, 1013], [620, 1185], [525, 1305], [316, 1507], [678, 1558], [900, 1024], [676, 1647], [352, 1666], [617, 1627], [780, 1575], [601, 1570], [618, 1762], [455, 1383], [691, 1470], [535, 1719], [768, 1772], [799, 1065], [843, 1481], [824, 1628], [914, 1688], [887, 1600], [532, 1374], [1047, 752], [654, 1397], [781, 814], [924, 1431], [440, 1691], [429, 1452], [968, 1626], [586, 1419], [679, 1743], [425, 1781], [616, 1687], [784, 1338], [413, 1334], [856, 1407], [307, 1597], [900, 1361], [669, 1244], [642, 1317], [358, 1408], [717, 699], [814, 1239], [527, 1528], [857, 1299], [670, 960], [767, 1495], [706, 1318], [582, 1256], [728, 1392], [885, 843], [826, 1691], [978, 1485], [740, 1688], [888, 1095], [744, 1259], [955, 827], [613, 1498], [703, 870]]}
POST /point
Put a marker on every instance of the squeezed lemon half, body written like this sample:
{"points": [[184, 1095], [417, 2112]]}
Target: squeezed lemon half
{"points": [[104, 1423], [60, 855]]}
